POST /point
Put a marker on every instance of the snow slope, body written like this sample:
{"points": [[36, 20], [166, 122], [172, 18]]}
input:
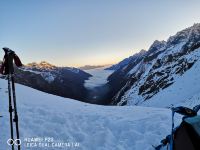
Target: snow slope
{"points": [[184, 89], [93, 127], [99, 77]]}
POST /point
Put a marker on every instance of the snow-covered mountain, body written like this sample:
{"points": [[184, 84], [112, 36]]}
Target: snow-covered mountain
{"points": [[61, 81], [49, 71], [166, 66]]}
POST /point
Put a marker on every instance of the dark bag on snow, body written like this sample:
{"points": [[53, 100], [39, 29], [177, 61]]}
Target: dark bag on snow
{"points": [[187, 135]]}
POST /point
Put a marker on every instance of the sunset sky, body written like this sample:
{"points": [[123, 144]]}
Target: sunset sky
{"points": [[90, 32]]}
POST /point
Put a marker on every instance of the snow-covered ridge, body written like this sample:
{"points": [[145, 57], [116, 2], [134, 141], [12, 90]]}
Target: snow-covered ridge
{"points": [[178, 87], [47, 70], [126, 61], [185, 35], [159, 68], [45, 66], [41, 65], [157, 45]]}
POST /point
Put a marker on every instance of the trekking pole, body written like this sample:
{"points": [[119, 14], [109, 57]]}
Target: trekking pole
{"points": [[15, 111], [172, 132], [7, 68], [10, 111]]}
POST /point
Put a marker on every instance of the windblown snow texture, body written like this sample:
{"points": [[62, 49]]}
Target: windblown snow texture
{"points": [[93, 126]]}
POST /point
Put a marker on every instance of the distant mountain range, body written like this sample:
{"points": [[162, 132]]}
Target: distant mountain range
{"points": [[88, 67]]}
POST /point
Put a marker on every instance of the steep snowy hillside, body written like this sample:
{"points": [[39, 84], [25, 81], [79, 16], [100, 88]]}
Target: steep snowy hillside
{"points": [[184, 89], [62, 81], [86, 126], [161, 69], [118, 79]]}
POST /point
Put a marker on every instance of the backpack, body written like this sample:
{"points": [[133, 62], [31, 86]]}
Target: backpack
{"points": [[187, 135], [7, 65]]}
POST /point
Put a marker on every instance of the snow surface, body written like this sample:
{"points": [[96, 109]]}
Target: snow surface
{"points": [[94, 127], [99, 77]]}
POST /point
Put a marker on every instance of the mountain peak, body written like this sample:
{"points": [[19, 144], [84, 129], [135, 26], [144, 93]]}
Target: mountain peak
{"points": [[185, 35], [46, 64], [157, 45], [196, 25], [41, 65], [142, 51]]}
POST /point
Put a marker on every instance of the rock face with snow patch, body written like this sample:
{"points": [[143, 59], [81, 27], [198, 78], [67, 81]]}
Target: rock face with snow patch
{"points": [[156, 69]]}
